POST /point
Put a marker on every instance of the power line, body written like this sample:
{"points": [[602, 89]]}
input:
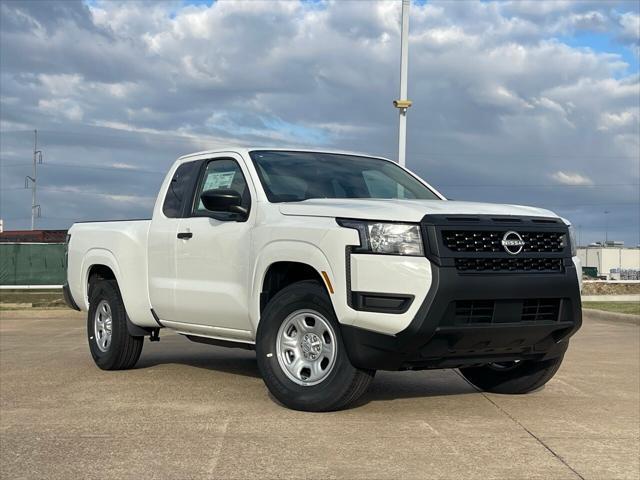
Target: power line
{"points": [[89, 192], [90, 167], [167, 137], [446, 156], [449, 185], [543, 185], [109, 133], [81, 192], [557, 205]]}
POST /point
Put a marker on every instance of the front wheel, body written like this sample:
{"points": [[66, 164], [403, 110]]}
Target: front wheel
{"points": [[512, 377], [301, 355]]}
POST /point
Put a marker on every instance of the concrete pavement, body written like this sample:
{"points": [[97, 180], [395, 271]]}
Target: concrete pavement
{"points": [[196, 411]]}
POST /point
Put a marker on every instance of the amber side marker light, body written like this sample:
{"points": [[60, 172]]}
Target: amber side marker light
{"points": [[327, 281]]}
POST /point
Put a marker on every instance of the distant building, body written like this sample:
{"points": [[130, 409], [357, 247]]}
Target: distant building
{"points": [[33, 236], [612, 260]]}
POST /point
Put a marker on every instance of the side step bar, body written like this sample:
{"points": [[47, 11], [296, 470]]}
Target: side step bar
{"points": [[220, 343]]}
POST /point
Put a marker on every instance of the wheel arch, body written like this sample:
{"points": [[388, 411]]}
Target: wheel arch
{"points": [[282, 263], [283, 273], [101, 272], [98, 262]]}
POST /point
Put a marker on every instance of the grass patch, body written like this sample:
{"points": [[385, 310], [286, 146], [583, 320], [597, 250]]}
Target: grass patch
{"points": [[21, 299], [617, 307]]}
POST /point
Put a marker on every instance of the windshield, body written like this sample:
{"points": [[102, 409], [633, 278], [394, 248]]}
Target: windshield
{"points": [[296, 176]]}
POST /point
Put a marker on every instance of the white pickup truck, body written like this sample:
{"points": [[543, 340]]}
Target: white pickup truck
{"points": [[331, 266]]}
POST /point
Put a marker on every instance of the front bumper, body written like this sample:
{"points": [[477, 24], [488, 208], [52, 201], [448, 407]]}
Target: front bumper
{"points": [[435, 339]]}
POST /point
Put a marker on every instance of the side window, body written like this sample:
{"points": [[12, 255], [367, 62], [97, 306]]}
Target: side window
{"points": [[179, 189], [222, 174]]}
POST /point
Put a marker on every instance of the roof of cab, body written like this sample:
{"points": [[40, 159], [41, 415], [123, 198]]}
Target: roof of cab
{"points": [[245, 150]]}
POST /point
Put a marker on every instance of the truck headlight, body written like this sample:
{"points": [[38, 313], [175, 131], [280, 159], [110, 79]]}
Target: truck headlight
{"points": [[387, 238], [572, 241]]}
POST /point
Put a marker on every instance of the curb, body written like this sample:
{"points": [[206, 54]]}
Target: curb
{"points": [[633, 297], [609, 316]]}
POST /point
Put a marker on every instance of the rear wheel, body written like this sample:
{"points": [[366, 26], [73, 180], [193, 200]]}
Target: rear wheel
{"points": [[111, 345], [301, 355], [512, 377]]}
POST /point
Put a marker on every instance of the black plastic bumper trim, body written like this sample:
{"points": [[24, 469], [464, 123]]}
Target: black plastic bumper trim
{"points": [[68, 298], [381, 302]]}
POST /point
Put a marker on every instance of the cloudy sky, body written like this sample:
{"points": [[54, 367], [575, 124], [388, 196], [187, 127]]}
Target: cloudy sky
{"points": [[528, 102]]}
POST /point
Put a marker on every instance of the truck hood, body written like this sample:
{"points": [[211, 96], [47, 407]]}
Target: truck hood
{"points": [[403, 210]]}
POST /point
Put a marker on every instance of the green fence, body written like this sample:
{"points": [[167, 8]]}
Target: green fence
{"points": [[32, 264]]}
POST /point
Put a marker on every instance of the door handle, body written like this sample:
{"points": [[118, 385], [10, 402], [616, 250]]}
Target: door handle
{"points": [[185, 235]]}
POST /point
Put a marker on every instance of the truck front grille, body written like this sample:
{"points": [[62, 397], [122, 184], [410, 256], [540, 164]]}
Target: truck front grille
{"points": [[536, 264], [492, 245], [467, 241]]}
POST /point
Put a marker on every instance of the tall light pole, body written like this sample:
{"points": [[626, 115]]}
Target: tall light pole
{"points": [[403, 103]]}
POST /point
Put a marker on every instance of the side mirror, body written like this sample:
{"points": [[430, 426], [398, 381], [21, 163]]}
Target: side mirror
{"points": [[222, 200]]}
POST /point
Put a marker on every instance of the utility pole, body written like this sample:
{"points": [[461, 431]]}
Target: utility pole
{"points": [[403, 104], [606, 227], [579, 235], [37, 159]]}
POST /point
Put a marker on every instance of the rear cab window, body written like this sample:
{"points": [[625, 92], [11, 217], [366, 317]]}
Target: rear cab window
{"points": [[180, 189]]}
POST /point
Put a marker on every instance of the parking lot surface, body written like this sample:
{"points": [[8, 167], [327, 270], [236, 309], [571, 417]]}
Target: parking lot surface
{"points": [[196, 411]]}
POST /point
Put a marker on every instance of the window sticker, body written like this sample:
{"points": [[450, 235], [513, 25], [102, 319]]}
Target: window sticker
{"points": [[217, 180]]}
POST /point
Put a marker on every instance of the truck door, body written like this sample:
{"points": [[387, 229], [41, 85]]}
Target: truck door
{"points": [[162, 242], [213, 255]]}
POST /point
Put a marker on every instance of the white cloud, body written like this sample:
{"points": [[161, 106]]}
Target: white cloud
{"points": [[536, 8], [500, 96], [61, 84], [442, 37], [571, 178], [591, 21], [611, 121], [61, 108], [630, 23]]}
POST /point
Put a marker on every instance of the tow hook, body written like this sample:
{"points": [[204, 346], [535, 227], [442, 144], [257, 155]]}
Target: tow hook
{"points": [[155, 335]]}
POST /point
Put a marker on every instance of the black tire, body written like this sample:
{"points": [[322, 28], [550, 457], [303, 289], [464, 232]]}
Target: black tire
{"points": [[124, 350], [522, 377], [341, 387]]}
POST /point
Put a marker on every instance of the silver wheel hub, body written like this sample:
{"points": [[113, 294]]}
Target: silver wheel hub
{"points": [[307, 348], [311, 346], [102, 326]]}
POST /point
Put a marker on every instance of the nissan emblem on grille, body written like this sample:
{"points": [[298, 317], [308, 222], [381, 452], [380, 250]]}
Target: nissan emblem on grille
{"points": [[512, 242]]}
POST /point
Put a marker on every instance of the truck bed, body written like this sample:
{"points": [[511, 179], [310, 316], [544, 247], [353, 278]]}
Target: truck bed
{"points": [[122, 246]]}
